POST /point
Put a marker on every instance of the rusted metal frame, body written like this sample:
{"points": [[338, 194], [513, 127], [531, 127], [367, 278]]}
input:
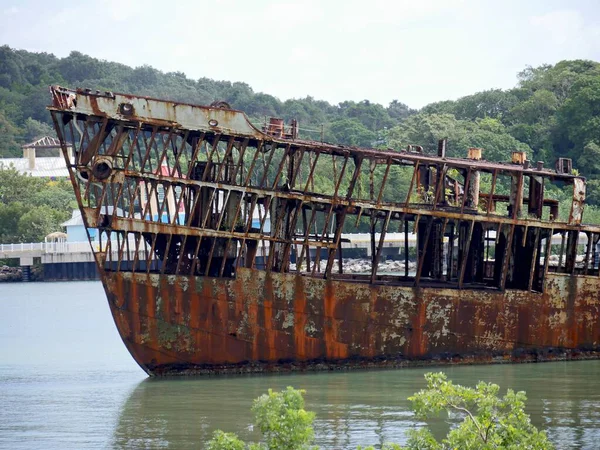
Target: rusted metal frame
{"points": [[340, 223], [240, 163], [147, 211], [154, 149], [588, 247], [166, 255], [117, 141], [101, 200], [358, 217], [222, 164], [492, 191], [338, 182], [267, 164], [421, 258], [178, 152], [148, 144], [383, 182], [250, 217], [515, 212], [310, 178], [310, 181], [297, 166], [210, 256], [258, 151], [178, 202], [87, 192], [138, 150], [276, 227], [196, 192], [370, 205], [224, 210], [85, 138], [209, 206], [506, 257], [332, 204], [465, 256], [572, 254], [121, 239], [165, 203], [562, 250], [131, 146], [305, 245], [286, 154], [534, 266], [196, 259], [442, 234], [406, 248], [132, 195], [450, 256], [441, 176], [265, 167], [263, 220], [136, 256], [151, 252], [288, 246], [93, 144], [162, 154], [195, 152], [246, 229], [224, 261], [119, 196], [209, 156], [317, 261], [412, 184], [465, 191], [384, 228], [101, 149], [63, 140], [547, 253], [107, 249], [233, 222]]}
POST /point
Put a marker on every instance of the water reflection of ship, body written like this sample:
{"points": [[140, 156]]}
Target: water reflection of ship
{"points": [[356, 408], [352, 409]]}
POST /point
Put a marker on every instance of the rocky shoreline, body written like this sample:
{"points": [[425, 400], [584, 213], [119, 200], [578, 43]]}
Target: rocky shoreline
{"points": [[15, 274]]}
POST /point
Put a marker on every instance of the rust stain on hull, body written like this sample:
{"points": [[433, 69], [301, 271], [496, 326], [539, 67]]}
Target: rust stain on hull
{"points": [[274, 322]]}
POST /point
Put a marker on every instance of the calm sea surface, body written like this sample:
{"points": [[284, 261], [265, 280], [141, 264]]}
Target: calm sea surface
{"points": [[66, 381]]}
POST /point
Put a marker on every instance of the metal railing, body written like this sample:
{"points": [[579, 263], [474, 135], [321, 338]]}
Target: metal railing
{"points": [[47, 247]]}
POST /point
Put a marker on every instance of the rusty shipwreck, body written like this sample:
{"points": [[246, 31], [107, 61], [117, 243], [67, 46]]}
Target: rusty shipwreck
{"points": [[217, 253]]}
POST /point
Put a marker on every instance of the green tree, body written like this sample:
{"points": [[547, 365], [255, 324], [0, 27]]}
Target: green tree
{"points": [[350, 132], [489, 421], [9, 134], [10, 214], [15, 187], [38, 222], [282, 420], [34, 129]]}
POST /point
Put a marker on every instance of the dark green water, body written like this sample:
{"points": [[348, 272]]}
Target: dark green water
{"points": [[66, 381]]}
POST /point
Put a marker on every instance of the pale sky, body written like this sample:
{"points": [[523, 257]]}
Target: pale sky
{"points": [[415, 51]]}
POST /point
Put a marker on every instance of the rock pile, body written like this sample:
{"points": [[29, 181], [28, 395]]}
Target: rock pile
{"points": [[364, 266], [10, 273]]}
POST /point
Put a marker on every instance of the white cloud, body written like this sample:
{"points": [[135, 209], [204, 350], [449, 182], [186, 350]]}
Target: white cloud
{"points": [[10, 11]]}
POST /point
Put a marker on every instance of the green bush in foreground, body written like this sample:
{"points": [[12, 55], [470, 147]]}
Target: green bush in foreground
{"points": [[489, 421]]}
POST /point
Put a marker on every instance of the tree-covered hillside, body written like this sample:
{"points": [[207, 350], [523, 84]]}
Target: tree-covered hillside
{"points": [[553, 111]]}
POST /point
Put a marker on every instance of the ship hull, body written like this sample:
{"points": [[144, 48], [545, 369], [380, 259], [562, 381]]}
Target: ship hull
{"points": [[265, 322]]}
